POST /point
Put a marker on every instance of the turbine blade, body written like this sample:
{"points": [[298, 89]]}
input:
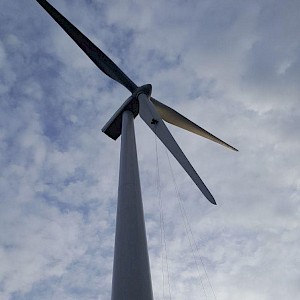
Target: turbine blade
{"points": [[103, 62], [152, 118], [173, 117]]}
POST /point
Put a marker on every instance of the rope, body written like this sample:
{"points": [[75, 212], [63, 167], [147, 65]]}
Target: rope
{"points": [[162, 228], [190, 235]]}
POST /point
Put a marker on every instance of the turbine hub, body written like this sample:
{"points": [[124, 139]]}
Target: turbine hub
{"points": [[144, 89]]}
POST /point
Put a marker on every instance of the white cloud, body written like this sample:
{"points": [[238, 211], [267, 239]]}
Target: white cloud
{"points": [[230, 66]]}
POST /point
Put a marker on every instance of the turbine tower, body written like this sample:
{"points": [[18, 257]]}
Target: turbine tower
{"points": [[131, 269]]}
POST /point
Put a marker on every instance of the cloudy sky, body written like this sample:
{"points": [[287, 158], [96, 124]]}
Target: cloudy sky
{"points": [[231, 66]]}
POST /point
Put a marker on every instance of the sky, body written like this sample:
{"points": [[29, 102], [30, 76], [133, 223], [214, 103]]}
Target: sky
{"points": [[232, 66]]}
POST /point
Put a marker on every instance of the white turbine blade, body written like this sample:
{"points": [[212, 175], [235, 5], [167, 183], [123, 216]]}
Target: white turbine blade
{"points": [[102, 61], [173, 117], [152, 118]]}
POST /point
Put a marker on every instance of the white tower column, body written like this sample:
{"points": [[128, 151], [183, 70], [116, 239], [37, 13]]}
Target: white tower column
{"points": [[131, 271]]}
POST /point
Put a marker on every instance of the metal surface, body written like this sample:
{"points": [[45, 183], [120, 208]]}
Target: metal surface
{"points": [[131, 272], [152, 118], [173, 117], [113, 127]]}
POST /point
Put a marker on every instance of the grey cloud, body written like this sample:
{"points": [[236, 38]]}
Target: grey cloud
{"points": [[231, 67]]}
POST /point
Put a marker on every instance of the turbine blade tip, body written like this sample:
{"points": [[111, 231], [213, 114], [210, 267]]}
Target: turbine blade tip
{"points": [[213, 201]]}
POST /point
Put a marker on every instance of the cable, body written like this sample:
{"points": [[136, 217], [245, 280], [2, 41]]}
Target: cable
{"points": [[190, 235], [162, 228]]}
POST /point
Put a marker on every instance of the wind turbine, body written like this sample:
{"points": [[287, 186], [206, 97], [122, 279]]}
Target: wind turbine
{"points": [[131, 270]]}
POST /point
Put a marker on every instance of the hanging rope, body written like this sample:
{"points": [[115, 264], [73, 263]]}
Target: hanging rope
{"points": [[162, 229], [190, 235]]}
